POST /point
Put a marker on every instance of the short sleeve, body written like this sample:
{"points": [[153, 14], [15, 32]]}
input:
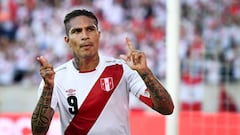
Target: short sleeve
{"points": [[135, 83]]}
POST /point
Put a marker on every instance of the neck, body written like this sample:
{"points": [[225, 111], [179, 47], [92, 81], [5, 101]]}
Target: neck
{"points": [[86, 65]]}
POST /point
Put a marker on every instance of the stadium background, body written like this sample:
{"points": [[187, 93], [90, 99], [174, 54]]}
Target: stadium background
{"points": [[209, 53]]}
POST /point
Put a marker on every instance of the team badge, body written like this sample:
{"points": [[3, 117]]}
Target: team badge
{"points": [[107, 83]]}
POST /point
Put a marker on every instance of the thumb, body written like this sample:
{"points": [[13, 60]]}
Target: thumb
{"points": [[124, 57], [42, 61]]}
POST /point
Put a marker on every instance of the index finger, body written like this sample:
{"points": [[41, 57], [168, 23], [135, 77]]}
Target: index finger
{"points": [[42, 61], [130, 45]]}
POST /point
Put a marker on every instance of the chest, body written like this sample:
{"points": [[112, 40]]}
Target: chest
{"points": [[90, 89]]}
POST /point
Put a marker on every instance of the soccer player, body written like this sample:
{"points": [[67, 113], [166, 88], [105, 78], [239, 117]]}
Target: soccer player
{"points": [[91, 91]]}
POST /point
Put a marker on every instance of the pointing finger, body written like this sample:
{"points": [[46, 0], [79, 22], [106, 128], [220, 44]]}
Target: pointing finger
{"points": [[130, 45], [43, 61]]}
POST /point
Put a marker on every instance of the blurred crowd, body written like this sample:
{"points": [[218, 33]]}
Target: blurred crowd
{"points": [[209, 47], [30, 28], [210, 50]]}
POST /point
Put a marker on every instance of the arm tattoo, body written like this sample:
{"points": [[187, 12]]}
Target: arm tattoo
{"points": [[162, 101], [43, 113]]}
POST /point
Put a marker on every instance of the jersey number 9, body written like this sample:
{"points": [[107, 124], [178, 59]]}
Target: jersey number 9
{"points": [[72, 101]]}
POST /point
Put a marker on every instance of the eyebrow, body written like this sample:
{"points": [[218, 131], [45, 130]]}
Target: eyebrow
{"points": [[78, 28]]}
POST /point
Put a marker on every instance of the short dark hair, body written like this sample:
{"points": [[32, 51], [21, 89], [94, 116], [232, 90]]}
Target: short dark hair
{"points": [[78, 12]]}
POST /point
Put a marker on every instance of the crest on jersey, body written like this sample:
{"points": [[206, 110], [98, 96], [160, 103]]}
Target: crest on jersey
{"points": [[107, 83]]}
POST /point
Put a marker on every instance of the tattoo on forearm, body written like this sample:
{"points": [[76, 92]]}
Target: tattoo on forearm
{"points": [[43, 113], [160, 97]]}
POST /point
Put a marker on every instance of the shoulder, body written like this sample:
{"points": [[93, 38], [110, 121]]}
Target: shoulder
{"points": [[63, 67], [116, 61], [112, 60]]}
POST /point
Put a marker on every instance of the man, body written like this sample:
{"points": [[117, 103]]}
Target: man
{"points": [[91, 91]]}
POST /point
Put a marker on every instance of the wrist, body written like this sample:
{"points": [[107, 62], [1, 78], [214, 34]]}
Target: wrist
{"points": [[48, 86], [145, 72]]}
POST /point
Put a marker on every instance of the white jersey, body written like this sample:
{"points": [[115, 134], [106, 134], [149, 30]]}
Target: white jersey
{"points": [[98, 101]]}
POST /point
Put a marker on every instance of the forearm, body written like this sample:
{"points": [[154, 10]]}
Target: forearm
{"points": [[162, 101], [43, 113]]}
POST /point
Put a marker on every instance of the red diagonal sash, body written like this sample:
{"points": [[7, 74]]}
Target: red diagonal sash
{"points": [[94, 102]]}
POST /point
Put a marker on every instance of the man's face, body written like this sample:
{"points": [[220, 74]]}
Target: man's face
{"points": [[83, 37]]}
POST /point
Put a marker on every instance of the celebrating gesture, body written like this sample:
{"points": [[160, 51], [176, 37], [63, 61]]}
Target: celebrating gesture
{"points": [[135, 59], [91, 91], [46, 71]]}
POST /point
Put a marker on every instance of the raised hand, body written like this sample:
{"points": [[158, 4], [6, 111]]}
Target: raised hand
{"points": [[46, 71], [135, 59]]}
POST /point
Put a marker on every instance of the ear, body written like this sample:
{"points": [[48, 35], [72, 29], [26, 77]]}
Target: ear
{"points": [[99, 34], [66, 39]]}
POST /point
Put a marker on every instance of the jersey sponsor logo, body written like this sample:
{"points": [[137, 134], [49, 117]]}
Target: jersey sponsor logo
{"points": [[107, 83], [71, 92]]}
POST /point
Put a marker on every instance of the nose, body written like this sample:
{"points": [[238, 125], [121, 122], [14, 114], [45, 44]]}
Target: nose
{"points": [[85, 35]]}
